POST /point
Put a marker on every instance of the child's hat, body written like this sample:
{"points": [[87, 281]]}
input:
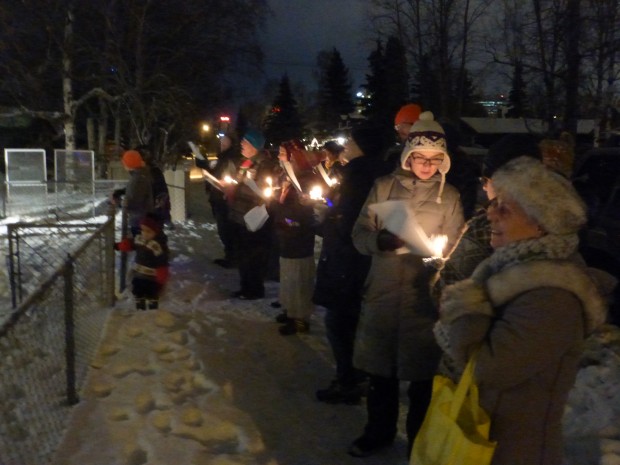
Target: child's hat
{"points": [[132, 159]]}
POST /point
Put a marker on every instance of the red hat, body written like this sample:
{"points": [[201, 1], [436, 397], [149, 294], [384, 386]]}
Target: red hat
{"points": [[408, 114], [132, 159], [151, 223], [300, 158]]}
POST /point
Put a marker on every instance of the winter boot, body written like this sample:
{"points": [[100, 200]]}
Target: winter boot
{"points": [[282, 318], [338, 393], [294, 326]]}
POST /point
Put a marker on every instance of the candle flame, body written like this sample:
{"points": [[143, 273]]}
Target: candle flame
{"points": [[438, 243], [229, 180], [316, 193], [268, 192]]}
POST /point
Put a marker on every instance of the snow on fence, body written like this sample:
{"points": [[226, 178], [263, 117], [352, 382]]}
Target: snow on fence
{"points": [[49, 341]]}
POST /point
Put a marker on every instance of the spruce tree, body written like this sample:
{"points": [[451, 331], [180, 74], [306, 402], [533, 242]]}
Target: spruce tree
{"points": [[283, 122], [386, 85], [334, 95], [517, 96]]}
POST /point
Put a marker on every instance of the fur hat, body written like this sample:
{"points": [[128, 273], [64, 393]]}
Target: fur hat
{"points": [[408, 114], [256, 138], [546, 197], [132, 160], [508, 148], [427, 135]]}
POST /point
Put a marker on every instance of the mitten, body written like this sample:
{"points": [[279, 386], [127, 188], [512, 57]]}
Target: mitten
{"points": [[124, 245], [388, 241], [161, 275]]}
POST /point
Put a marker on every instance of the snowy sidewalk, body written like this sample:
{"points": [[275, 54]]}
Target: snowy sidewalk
{"points": [[208, 380]]}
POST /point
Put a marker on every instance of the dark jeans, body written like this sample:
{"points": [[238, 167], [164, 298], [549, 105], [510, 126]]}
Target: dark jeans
{"points": [[143, 288], [382, 407], [226, 230], [340, 326], [254, 249]]}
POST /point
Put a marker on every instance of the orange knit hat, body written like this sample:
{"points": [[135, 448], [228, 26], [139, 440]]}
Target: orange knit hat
{"points": [[132, 159], [408, 114]]}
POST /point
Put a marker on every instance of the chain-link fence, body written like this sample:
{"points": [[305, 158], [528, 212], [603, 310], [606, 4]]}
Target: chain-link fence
{"points": [[48, 342]]}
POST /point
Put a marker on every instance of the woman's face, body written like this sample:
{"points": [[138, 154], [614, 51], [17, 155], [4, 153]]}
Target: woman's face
{"points": [[425, 165], [509, 223]]}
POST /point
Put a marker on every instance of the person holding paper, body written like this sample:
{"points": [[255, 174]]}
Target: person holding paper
{"points": [[341, 270], [245, 198], [228, 160], [394, 338], [294, 225]]}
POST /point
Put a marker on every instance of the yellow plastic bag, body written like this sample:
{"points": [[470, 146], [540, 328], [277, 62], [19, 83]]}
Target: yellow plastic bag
{"points": [[455, 430]]}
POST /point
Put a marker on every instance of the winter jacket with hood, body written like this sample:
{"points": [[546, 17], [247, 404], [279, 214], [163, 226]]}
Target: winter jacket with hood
{"points": [[395, 336]]}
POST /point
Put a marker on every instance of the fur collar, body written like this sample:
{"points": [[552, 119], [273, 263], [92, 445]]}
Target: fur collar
{"points": [[466, 297]]}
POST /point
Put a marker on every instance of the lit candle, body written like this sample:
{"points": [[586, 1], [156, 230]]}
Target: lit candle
{"points": [[229, 180], [438, 243], [316, 193]]}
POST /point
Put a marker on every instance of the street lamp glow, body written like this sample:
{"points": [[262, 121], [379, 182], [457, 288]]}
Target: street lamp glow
{"points": [[206, 127]]}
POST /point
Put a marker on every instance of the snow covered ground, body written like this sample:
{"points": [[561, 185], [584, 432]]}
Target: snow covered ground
{"points": [[208, 380]]}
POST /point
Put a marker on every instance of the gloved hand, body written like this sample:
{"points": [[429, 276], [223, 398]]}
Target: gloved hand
{"points": [[387, 241], [162, 274], [124, 245]]}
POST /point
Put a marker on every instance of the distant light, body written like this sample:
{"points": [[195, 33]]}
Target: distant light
{"points": [[206, 127], [341, 140], [225, 118], [360, 94]]}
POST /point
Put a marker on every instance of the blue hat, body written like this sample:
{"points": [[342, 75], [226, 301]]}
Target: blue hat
{"points": [[255, 138]]}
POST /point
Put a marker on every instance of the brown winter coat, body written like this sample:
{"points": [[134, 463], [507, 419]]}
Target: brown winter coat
{"points": [[394, 335], [536, 316]]}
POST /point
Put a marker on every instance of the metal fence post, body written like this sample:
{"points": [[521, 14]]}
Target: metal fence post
{"points": [[72, 397]]}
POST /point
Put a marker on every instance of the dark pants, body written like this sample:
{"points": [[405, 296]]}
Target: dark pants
{"points": [[254, 249], [226, 230], [382, 407], [340, 326]]}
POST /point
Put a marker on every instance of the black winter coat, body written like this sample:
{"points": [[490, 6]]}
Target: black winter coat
{"points": [[341, 270]]}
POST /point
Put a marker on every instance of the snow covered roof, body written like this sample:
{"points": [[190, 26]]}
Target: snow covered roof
{"points": [[518, 125]]}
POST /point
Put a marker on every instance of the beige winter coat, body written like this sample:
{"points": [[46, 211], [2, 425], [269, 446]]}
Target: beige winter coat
{"points": [[394, 335], [531, 320]]}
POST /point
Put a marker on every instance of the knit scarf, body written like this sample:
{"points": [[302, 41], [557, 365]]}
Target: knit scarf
{"points": [[547, 247]]}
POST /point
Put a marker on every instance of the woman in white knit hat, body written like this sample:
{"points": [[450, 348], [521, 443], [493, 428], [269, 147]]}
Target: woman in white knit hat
{"points": [[394, 338], [526, 309]]}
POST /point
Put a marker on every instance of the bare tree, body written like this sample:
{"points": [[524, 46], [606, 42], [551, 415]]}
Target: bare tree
{"points": [[437, 35]]}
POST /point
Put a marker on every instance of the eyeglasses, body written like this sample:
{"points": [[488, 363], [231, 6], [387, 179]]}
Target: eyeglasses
{"points": [[421, 160]]}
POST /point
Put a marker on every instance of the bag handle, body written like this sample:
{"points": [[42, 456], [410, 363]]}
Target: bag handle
{"points": [[466, 386]]}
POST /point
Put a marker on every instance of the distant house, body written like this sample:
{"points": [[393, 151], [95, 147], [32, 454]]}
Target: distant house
{"points": [[484, 131]]}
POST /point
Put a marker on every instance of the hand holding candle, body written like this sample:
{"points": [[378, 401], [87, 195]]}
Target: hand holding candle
{"points": [[268, 191]]}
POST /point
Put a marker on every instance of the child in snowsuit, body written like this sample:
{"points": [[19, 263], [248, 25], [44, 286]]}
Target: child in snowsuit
{"points": [[150, 270]]}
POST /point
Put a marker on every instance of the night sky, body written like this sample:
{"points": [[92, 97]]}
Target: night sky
{"points": [[300, 29]]}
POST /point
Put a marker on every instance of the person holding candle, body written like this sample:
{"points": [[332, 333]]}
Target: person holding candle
{"points": [[341, 269], [394, 338], [245, 192], [525, 311], [294, 225]]}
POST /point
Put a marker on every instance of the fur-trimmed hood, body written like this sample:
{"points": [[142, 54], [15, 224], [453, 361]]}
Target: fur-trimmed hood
{"points": [[470, 297]]}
